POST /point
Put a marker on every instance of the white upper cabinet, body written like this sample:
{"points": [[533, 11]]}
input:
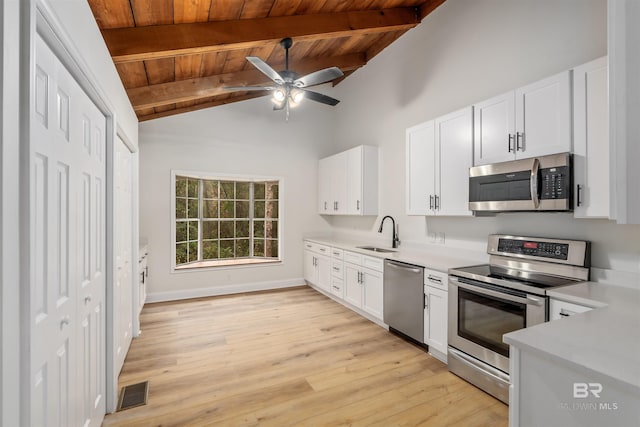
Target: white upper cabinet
{"points": [[591, 140], [439, 155], [348, 182], [534, 120], [421, 151]]}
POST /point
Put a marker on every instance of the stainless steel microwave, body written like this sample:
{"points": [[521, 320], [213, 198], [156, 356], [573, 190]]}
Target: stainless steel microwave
{"points": [[536, 184]]}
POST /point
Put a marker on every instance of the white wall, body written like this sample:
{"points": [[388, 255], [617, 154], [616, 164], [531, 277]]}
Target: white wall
{"points": [[464, 52], [242, 138]]}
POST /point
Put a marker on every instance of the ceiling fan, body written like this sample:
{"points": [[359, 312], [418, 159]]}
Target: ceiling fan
{"points": [[289, 88]]}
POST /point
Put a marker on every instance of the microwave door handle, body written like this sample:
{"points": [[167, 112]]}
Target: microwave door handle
{"points": [[535, 197]]}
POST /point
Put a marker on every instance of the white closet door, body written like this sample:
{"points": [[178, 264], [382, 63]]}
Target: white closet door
{"points": [[66, 244], [123, 293]]}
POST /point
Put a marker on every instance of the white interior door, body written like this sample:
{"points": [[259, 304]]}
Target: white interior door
{"points": [[123, 292], [67, 250]]}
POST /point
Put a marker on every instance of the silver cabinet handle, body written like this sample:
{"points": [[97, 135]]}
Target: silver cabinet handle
{"points": [[578, 201], [87, 299], [336, 269], [519, 139], [64, 321], [509, 139], [325, 205], [437, 204], [434, 279], [357, 205], [430, 201]]}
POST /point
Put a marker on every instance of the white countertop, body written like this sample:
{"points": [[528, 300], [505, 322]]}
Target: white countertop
{"points": [[605, 340], [435, 257]]}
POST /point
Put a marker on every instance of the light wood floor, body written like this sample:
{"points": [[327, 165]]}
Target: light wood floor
{"points": [[289, 358]]}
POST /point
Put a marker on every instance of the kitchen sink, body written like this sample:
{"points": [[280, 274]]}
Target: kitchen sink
{"points": [[375, 249]]}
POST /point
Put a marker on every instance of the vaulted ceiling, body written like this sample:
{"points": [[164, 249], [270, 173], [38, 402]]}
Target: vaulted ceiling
{"points": [[175, 56]]}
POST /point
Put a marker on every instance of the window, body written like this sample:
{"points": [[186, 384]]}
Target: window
{"points": [[221, 221]]}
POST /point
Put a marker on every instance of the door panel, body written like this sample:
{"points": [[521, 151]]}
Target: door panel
{"points": [[420, 170], [67, 237], [493, 123]]}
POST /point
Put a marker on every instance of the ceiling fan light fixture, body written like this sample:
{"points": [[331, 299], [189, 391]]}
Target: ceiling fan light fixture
{"points": [[279, 95], [297, 96]]}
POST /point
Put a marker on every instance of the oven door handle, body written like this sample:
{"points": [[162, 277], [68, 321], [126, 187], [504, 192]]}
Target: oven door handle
{"points": [[529, 300]]}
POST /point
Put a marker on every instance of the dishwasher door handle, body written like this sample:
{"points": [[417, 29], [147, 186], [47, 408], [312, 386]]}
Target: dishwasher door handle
{"points": [[405, 267]]}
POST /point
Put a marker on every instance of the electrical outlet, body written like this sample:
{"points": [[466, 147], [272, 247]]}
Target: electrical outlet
{"points": [[432, 237], [440, 238]]}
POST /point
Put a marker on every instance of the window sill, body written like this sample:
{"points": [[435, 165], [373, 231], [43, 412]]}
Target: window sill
{"points": [[226, 263]]}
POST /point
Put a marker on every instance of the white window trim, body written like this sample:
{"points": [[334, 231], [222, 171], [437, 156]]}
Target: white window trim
{"points": [[230, 177]]}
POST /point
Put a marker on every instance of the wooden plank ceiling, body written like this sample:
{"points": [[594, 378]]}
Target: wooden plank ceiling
{"points": [[174, 56]]}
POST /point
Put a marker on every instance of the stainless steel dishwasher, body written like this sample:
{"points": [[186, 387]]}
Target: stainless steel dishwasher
{"points": [[404, 299]]}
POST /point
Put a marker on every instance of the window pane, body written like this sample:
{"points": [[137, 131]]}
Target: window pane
{"points": [[210, 209], [181, 231], [271, 248], [258, 247], [226, 209], [226, 230], [242, 229], [226, 248], [181, 253], [192, 185], [210, 189], [242, 248], [242, 190], [258, 209], [192, 210], [242, 209], [258, 190], [272, 210], [209, 229], [193, 230], [271, 229], [210, 249], [272, 190], [258, 228], [193, 251], [181, 186], [181, 208], [226, 190]]}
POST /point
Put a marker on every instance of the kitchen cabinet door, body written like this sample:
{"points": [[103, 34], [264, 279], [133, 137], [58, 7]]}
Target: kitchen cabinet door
{"points": [[454, 154], [421, 161], [591, 140], [325, 200], [362, 181], [323, 267], [338, 168], [435, 319], [494, 129], [352, 285], [373, 291], [310, 272], [543, 117]]}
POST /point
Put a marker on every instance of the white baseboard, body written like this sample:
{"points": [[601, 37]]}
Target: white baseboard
{"points": [[222, 290]]}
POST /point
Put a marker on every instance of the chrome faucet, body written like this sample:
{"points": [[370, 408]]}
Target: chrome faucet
{"points": [[395, 241]]}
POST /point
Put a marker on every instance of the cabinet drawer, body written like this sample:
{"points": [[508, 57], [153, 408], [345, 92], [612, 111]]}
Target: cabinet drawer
{"points": [[352, 257], [317, 248], [559, 309], [337, 287], [373, 263], [436, 279], [337, 253], [337, 269]]}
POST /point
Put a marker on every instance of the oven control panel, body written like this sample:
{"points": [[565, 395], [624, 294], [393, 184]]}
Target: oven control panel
{"points": [[554, 250]]}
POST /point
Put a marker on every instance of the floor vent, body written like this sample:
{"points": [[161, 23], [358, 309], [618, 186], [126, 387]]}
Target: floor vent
{"points": [[133, 395]]}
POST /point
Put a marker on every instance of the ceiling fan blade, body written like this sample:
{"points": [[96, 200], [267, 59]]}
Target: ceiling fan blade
{"points": [[266, 69], [248, 88], [318, 97], [318, 77]]}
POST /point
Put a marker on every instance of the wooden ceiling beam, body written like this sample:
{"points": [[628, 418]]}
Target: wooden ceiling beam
{"points": [[203, 87], [161, 41]]}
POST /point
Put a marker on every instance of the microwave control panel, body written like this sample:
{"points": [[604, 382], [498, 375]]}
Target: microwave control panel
{"points": [[555, 183], [534, 248]]}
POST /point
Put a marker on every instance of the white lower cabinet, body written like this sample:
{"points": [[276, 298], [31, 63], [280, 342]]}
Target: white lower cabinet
{"points": [[435, 313], [559, 309], [317, 265]]}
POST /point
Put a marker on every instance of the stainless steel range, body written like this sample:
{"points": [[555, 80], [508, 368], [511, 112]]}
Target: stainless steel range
{"points": [[488, 301]]}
